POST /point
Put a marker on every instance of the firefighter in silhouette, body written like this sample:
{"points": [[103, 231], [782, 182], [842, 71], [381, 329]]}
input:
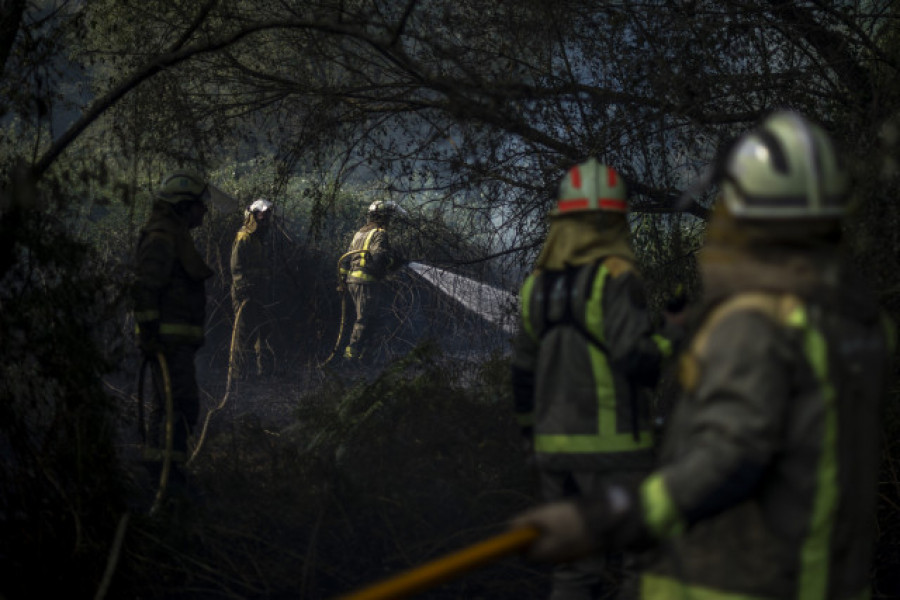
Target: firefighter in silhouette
{"points": [[170, 309], [251, 274], [584, 350], [363, 269], [767, 481]]}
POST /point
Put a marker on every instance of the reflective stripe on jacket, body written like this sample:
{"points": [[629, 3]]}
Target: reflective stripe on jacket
{"points": [[370, 256], [169, 290], [768, 477], [584, 347]]}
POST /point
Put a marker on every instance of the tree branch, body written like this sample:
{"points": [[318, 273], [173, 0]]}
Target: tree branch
{"points": [[164, 61]]}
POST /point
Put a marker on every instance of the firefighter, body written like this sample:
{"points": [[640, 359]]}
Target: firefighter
{"points": [[766, 483], [251, 274], [364, 268], [170, 309], [584, 350]]}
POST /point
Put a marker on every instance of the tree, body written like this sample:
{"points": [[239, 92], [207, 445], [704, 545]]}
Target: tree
{"points": [[469, 111]]}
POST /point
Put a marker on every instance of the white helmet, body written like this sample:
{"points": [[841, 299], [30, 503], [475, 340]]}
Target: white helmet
{"points": [[183, 185], [786, 168], [385, 208], [260, 205], [591, 186]]}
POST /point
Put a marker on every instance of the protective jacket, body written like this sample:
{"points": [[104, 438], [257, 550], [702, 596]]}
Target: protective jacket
{"points": [[585, 346], [768, 475], [370, 256], [250, 265], [169, 291]]}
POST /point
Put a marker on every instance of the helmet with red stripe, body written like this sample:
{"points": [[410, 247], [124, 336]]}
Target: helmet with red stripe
{"points": [[591, 186]]}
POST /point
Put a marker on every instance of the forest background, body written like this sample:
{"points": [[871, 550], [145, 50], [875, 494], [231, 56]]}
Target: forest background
{"points": [[467, 113]]}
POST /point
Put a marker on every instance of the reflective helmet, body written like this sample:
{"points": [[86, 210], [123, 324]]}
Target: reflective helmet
{"points": [[183, 185], [385, 209], [786, 168], [591, 186], [260, 205]]}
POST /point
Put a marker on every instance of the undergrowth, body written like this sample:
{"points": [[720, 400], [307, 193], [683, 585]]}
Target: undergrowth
{"points": [[372, 477]]}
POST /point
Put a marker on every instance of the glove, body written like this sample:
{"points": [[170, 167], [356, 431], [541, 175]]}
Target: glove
{"points": [[573, 529], [148, 337], [564, 532]]}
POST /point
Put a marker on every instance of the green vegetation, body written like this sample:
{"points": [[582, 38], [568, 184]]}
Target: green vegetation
{"points": [[323, 106]]}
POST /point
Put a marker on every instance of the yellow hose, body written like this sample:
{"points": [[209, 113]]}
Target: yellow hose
{"points": [[448, 567], [228, 381], [337, 343]]}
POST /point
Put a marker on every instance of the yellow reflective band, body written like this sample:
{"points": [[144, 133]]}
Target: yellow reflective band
{"points": [[607, 439], [593, 443], [664, 344], [365, 248], [361, 275], [654, 586], [525, 305], [146, 315], [661, 516], [814, 556], [192, 331], [594, 313]]}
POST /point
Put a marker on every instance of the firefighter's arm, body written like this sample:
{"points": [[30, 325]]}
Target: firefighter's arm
{"points": [[343, 264], [238, 262], [572, 529], [155, 260], [733, 431], [383, 257], [398, 259], [737, 396], [635, 348]]}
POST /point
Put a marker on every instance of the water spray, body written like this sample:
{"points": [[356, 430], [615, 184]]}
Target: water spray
{"points": [[489, 302]]}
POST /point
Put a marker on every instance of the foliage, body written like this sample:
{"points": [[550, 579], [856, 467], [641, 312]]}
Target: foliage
{"points": [[367, 479], [465, 112], [61, 485]]}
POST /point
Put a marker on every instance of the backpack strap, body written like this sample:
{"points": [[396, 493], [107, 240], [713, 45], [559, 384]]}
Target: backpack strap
{"points": [[564, 297]]}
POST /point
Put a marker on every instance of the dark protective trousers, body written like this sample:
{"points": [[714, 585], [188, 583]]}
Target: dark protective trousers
{"points": [[252, 330], [372, 301], [185, 399]]}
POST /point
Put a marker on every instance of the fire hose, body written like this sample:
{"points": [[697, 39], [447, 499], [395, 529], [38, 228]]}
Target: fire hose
{"points": [[169, 435], [448, 567], [228, 380], [343, 290]]}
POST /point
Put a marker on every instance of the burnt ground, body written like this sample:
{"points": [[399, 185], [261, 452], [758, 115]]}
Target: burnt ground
{"points": [[316, 482]]}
